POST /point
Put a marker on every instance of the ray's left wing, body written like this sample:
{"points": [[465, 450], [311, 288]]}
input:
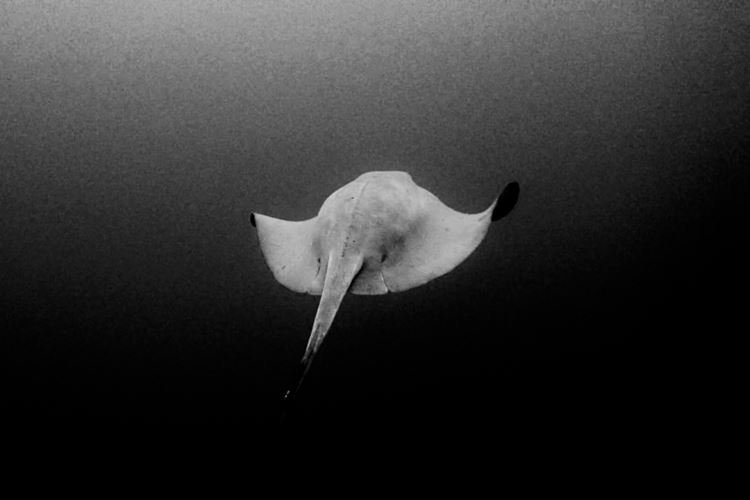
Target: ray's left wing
{"points": [[287, 247]]}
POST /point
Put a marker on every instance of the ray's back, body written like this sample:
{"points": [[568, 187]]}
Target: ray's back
{"points": [[371, 215]]}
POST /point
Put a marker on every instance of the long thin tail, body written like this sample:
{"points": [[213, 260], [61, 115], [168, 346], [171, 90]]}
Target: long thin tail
{"points": [[339, 276]]}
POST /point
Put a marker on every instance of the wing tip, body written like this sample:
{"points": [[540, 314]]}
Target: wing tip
{"points": [[506, 201]]}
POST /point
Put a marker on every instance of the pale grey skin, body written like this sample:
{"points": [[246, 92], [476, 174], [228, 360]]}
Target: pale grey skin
{"points": [[379, 233]]}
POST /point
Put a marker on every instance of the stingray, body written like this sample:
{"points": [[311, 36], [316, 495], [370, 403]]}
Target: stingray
{"points": [[380, 233]]}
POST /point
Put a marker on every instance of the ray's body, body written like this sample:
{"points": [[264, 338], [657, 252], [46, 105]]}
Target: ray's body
{"points": [[379, 233]]}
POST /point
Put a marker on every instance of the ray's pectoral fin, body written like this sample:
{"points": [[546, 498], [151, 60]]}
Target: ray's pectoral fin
{"points": [[288, 248], [441, 240]]}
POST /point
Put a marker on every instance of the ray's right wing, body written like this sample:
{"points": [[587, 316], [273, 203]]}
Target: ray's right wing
{"points": [[442, 240]]}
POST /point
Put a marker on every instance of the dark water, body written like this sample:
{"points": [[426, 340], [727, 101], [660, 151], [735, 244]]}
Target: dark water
{"points": [[136, 138]]}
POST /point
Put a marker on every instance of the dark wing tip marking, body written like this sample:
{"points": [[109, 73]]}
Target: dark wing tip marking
{"points": [[506, 201], [252, 219]]}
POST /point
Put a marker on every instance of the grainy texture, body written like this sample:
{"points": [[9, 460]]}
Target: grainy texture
{"points": [[137, 137]]}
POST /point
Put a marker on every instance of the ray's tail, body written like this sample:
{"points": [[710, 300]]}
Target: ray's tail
{"points": [[339, 276]]}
